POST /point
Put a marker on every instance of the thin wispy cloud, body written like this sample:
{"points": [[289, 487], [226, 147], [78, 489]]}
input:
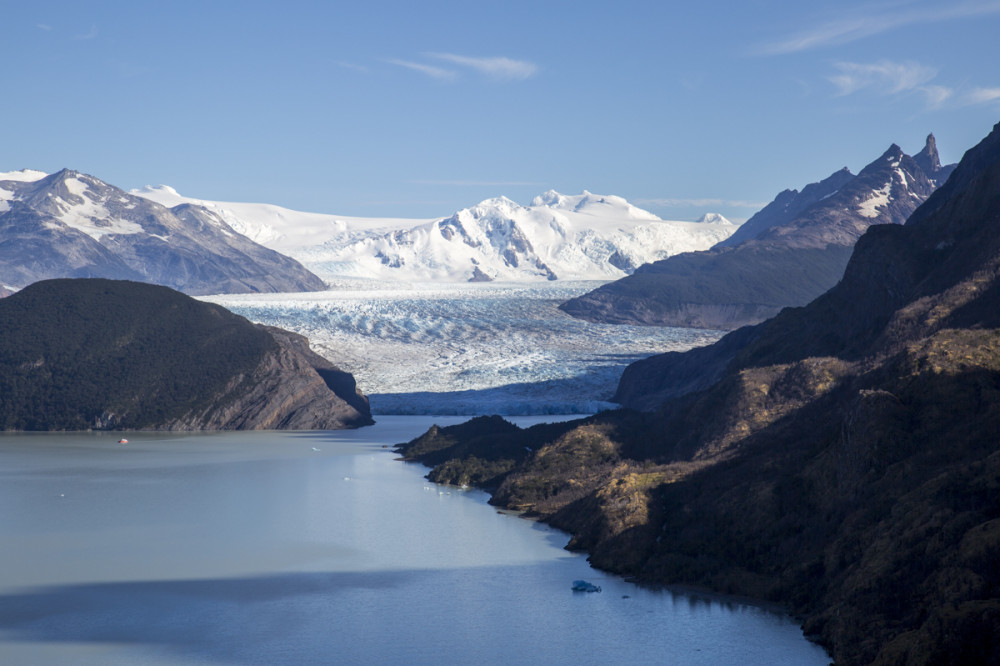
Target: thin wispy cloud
{"points": [[887, 77], [90, 34], [981, 96], [476, 183], [497, 67], [701, 202], [936, 96], [868, 24], [427, 70], [43, 26], [350, 65]]}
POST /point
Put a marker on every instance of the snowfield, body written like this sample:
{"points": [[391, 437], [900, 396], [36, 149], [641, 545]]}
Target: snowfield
{"points": [[581, 237], [466, 348]]}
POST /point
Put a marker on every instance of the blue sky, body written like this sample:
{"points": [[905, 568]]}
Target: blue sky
{"points": [[417, 109]]}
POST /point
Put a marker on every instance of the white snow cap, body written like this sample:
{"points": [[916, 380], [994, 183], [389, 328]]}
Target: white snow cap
{"points": [[713, 218], [24, 175], [577, 237]]}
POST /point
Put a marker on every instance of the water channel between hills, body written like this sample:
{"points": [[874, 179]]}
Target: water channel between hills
{"points": [[297, 548]]}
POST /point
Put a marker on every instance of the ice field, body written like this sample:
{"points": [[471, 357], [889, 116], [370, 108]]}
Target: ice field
{"points": [[466, 348]]}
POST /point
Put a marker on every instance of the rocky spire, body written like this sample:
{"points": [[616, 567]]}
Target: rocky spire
{"points": [[928, 159]]}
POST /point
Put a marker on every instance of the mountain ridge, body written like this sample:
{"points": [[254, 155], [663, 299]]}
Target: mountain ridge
{"points": [[841, 459], [557, 236], [69, 224], [790, 252]]}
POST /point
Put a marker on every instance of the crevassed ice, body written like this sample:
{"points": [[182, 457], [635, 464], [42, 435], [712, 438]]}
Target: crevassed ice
{"points": [[466, 349]]}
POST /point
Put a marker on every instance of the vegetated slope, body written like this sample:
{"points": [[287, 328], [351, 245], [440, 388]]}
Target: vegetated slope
{"points": [[70, 224], [108, 354], [787, 254], [582, 237], [843, 460]]}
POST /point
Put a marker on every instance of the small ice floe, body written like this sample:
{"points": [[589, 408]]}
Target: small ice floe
{"points": [[315, 449], [347, 478], [584, 586]]}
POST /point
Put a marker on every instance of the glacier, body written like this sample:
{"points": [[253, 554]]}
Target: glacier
{"points": [[466, 348]]}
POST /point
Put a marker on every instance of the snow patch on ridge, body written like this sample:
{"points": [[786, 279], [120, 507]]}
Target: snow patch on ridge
{"points": [[880, 198], [89, 214]]}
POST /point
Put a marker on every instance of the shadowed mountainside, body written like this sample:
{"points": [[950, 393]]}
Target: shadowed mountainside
{"points": [[790, 252], [842, 458], [80, 354]]}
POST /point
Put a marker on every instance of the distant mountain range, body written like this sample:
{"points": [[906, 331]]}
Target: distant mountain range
{"points": [[840, 458], [582, 237], [790, 252], [97, 354], [69, 224]]}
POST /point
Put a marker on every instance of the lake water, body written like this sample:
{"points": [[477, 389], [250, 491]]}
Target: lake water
{"points": [[315, 548]]}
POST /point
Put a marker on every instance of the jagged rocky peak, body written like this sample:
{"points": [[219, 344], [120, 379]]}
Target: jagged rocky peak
{"points": [[805, 236], [54, 183], [893, 154], [928, 158]]}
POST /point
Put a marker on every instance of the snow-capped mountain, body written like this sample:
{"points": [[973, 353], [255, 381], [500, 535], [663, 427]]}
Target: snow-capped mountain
{"points": [[70, 224], [787, 254], [585, 236]]}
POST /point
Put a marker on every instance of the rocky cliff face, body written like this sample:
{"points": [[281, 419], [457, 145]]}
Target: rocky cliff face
{"points": [[841, 458], [108, 354], [788, 254], [70, 224], [292, 388]]}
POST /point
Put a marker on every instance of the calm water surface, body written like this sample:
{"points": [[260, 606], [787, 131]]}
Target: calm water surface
{"points": [[314, 548]]}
